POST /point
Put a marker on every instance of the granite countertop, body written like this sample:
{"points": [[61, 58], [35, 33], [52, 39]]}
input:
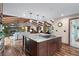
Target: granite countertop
{"points": [[41, 37]]}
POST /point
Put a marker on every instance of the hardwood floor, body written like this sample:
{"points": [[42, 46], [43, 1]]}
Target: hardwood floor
{"points": [[67, 51], [16, 50], [11, 49]]}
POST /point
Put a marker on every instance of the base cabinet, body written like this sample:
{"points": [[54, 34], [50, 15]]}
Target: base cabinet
{"points": [[51, 47], [33, 48], [45, 48], [54, 45], [42, 48]]}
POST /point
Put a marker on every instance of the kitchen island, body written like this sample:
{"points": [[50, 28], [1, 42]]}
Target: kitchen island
{"points": [[41, 44]]}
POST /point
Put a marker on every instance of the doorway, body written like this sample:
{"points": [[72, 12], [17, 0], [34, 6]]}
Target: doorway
{"points": [[74, 32]]}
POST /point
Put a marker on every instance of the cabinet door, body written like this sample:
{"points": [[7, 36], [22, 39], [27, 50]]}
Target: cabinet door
{"points": [[59, 44], [51, 47], [27, 44], [43, 49], [33, 48]]}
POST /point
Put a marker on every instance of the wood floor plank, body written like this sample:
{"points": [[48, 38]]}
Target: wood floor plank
{"points": [[68, 51], [16, 50]]}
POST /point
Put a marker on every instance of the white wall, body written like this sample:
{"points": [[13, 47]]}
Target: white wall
{"points": [[60, 30]]}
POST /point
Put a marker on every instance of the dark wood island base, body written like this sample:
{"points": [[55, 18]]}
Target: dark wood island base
{"points": [[45, 48]]}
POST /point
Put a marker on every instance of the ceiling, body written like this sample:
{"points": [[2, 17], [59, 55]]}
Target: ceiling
{"points": [[48, 10]]}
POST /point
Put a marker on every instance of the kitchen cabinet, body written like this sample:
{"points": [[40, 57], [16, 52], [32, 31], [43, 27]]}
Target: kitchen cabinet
{"points": [[27, 46], [54, 45], [42, 48], [45, 48]]}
